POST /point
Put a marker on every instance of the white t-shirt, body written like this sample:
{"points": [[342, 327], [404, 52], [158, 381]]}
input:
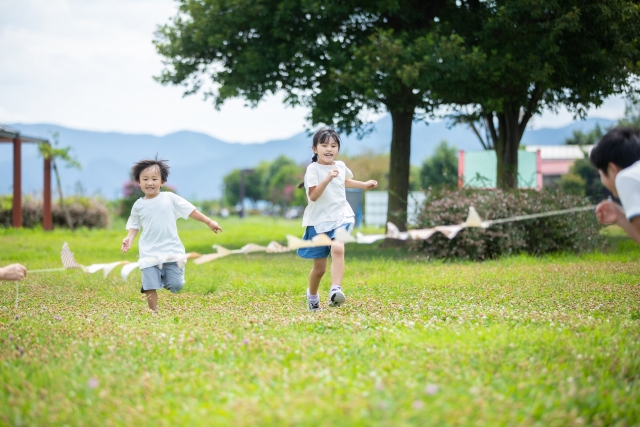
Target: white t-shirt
{"points": [[157, 218], [628, 188], [332, 205]]}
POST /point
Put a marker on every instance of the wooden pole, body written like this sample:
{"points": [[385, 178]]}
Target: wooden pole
{"points": [[47, 216], [17, 182]]}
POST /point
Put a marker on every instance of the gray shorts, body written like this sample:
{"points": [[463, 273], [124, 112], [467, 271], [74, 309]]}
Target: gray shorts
{"points": [[170, 277]]}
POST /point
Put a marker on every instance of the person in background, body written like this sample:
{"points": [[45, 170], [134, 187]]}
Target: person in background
{"points": [[617, 158]]}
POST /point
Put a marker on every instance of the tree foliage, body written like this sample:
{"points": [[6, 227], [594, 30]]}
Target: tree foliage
{"points": [[274, 181], [338, 58], [582, 138], [501, 62], [504, 61], [441, 169]]}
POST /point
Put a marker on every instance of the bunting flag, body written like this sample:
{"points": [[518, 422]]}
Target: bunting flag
{"points": [[342, 235]]}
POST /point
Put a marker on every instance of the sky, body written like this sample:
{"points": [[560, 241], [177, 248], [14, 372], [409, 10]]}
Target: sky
{"points": [[89, 64]]}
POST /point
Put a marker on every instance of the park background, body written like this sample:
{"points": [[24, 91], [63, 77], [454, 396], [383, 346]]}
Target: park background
{"points": [[534, 323]]}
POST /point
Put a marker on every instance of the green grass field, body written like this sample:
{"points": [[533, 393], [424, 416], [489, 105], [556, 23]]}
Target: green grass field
{"points": [[551, 341]]}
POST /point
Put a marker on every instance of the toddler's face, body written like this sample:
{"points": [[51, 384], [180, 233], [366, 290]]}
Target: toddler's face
{"points": [[150, 182], [327, 152]]}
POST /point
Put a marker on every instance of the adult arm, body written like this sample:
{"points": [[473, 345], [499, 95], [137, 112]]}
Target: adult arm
{"points": [[199, 216], [13, 272], [609, 212]]}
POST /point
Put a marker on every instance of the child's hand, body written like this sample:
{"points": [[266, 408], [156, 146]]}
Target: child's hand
{"points": [[608, 212], [332, 174], [214, 226], [126, 243], [372, 183]]}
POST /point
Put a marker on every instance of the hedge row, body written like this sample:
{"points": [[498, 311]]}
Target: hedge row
{"points": [[575, 232], [84, 212]]}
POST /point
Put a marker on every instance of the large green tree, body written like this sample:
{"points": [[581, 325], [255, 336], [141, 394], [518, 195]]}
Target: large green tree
{"points": [[501, 62], [340, 58]]}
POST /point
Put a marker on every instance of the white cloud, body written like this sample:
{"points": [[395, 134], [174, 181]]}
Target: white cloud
{"points": [[89, 64]]}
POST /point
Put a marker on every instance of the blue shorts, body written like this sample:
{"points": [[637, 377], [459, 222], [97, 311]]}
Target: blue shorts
{"points": [[319, 251], [170, 277]]}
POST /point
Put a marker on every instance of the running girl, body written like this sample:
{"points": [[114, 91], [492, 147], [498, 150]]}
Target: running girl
{"points": [[325, 182]]}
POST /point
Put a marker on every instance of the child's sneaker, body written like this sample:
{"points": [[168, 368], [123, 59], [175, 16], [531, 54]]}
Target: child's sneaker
{"points": [[314, 305], [336, 297]]}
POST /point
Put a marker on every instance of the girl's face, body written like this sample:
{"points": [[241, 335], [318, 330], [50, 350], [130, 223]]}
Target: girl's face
{"points": [[327, 151]]}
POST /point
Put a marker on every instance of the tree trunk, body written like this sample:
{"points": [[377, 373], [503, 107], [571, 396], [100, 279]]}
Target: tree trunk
{"points": [[507, 145], [399, 168]]}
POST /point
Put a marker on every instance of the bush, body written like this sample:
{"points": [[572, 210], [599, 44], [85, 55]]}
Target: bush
{"points": [[576, 232], [84, 212]]}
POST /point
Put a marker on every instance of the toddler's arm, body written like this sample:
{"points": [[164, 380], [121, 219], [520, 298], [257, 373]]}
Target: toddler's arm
{"points": [[199, 216], [127, 241], [352, 183]]}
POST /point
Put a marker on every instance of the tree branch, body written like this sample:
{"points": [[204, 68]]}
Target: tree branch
{"points": [[488, 118], [536, 94], [475, 130]]}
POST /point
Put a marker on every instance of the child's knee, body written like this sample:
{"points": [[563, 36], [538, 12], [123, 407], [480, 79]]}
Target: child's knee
{"points": [[337, 249], [174, 279], [175, 288], [318, 271]]}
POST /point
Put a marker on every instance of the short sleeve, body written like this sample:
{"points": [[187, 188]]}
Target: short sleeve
{"points": [[181, 207], [134, 219], [311, 177], [628, 188], [348, 174]]}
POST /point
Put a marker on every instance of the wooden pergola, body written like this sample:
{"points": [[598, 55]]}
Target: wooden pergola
{"points": [[13, 136]]}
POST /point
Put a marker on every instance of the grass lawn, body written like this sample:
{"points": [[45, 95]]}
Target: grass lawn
{"points": [[551, 341]]}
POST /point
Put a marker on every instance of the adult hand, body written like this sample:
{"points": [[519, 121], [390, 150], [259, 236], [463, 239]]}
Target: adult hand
{"points": [[608, 212], [13, 272]]}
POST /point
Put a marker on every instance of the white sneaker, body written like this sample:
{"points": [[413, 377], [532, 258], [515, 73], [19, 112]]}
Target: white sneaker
{"points": [[314, 306], [336, 298]]}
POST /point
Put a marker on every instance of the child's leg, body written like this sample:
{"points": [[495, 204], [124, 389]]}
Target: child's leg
{"points": [[152, 299], [318, 270], [337, 263]]}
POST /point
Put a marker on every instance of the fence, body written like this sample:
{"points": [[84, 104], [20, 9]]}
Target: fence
{"points": [[375, 207]]}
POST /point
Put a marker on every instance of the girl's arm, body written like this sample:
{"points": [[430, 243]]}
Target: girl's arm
{"points": [[127, 241], [199, 216], [316, 191], [352, 183]]}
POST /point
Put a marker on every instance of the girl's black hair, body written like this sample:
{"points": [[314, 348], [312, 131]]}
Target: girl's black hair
{"points": [[322, 137], [620, 146], [140, 166]]}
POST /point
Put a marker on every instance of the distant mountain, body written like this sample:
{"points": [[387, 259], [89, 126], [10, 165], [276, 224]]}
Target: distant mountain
{"points": [[199, 162]]}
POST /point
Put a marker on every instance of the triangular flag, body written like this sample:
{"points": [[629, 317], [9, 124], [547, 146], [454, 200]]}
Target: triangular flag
{"points": [[342, 235], [68, 259], [450, 231], [473, 219], [275, 248], [422, 234]]}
